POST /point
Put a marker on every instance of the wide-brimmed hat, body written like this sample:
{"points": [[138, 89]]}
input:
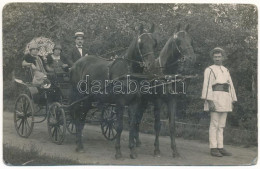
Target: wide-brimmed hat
{"points": [[33, 46], [79, 34], [218, 50], [57, 46]]}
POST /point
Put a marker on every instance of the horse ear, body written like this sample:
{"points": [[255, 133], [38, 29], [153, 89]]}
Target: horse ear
{"points": [[152, 28], [187, 27], [141, 29], [178, 27]]}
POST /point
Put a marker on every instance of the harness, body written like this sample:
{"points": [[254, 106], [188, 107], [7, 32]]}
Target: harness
{"points": [[182, 58], [142, 63]]}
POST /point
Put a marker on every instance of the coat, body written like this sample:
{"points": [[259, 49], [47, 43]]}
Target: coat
{"points": [[73, 55], [222, 100]]}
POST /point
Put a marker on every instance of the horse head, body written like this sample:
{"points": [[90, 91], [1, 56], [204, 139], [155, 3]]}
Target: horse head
{"points": [[178, 55], [141, 51]]}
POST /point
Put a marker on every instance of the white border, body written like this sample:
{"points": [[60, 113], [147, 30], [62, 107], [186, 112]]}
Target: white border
{"points": [[4, 2]]}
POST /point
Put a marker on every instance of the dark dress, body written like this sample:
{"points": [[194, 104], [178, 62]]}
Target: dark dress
{"points": [[56, 65]]}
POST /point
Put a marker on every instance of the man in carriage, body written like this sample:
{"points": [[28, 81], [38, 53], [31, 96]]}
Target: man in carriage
{"points": [[77, 51]]}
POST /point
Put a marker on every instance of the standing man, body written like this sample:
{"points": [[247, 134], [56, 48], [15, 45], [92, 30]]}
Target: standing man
{"points": [[77, 50], [219, 94]]}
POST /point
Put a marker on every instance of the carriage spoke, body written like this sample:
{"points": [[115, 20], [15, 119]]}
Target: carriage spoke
{"points": [[25, 126], [106, 129], [56, 133], [22, 126], [53, 132], [26, 109], [26, 122], [113, 134], [72, 126], [109, 132], [18, 120], [59, 131], [24, 104]]}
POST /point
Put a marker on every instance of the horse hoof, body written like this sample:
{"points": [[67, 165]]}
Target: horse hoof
{"points": [[133, 156], [157, 153], [138, 144], [80, 150], [175, 154], [118, 156]]}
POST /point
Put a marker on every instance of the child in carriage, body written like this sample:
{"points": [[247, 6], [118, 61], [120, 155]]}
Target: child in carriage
{"points": [[35, 62]]}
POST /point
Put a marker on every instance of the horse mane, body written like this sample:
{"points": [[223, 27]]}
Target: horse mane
{"points": [[131, 52], [165, 52]]}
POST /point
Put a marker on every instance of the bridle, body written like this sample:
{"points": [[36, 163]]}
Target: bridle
{"points": [[142, 63], [138, 44], [183, 57]]}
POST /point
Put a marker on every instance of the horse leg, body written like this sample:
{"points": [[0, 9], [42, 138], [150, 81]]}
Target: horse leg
{"points": [[171, 104], [119, 128], [139, 116], [133, 116], [157, 126], [79, 127], [80, 118]]}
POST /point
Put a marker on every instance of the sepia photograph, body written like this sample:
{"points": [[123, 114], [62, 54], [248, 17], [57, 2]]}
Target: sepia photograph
{"points": [[129, 84]]}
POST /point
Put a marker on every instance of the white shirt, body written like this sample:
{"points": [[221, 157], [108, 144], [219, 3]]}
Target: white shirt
{"points": [[80, 49], [216, 74]]}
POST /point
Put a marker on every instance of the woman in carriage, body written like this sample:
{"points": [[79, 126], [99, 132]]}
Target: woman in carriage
{"points": [[35, 63], [55, 65], [55, 61]]}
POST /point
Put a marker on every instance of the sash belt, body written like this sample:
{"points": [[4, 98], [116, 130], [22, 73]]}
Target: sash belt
{"points": [[221, 87]]}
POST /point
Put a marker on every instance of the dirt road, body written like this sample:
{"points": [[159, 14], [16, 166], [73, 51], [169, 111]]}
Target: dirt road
{"points": [[101, 151]]}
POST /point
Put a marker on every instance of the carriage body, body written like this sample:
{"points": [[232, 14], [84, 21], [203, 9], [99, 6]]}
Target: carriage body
{"points": [[36, 104]]}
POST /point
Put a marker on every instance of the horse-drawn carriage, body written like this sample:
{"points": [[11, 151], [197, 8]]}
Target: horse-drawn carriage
{"points": [[176, 56], [37, 103]]}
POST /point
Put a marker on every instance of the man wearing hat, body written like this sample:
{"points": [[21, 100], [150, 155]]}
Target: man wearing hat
{"points": [[77, 50], [219, 94]]}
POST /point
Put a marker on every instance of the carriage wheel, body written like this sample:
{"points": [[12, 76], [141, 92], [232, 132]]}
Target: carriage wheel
{"points": [[24, 115], [56, 122], [108, 122], [71, 127]]}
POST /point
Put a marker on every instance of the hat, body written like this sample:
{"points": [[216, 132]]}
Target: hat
{"points": [[79, 34], [33, 46], [57, 46], [218, 50]]}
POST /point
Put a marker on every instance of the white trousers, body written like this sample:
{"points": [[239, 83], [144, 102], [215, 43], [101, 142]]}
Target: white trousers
{"points": [[217, 124]]}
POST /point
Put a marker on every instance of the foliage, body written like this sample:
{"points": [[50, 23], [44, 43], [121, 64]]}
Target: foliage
{"points": [[112, 26]]}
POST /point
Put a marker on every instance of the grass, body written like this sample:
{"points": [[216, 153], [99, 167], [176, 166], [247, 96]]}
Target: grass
{"points": [[31, 157]]}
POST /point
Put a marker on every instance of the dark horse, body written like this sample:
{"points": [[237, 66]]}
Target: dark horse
{"points": [[138, 57], [176, 57]]}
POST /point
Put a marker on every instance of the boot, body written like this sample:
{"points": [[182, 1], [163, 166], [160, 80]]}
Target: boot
{"points": [[224, 152], [214, 152]]}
